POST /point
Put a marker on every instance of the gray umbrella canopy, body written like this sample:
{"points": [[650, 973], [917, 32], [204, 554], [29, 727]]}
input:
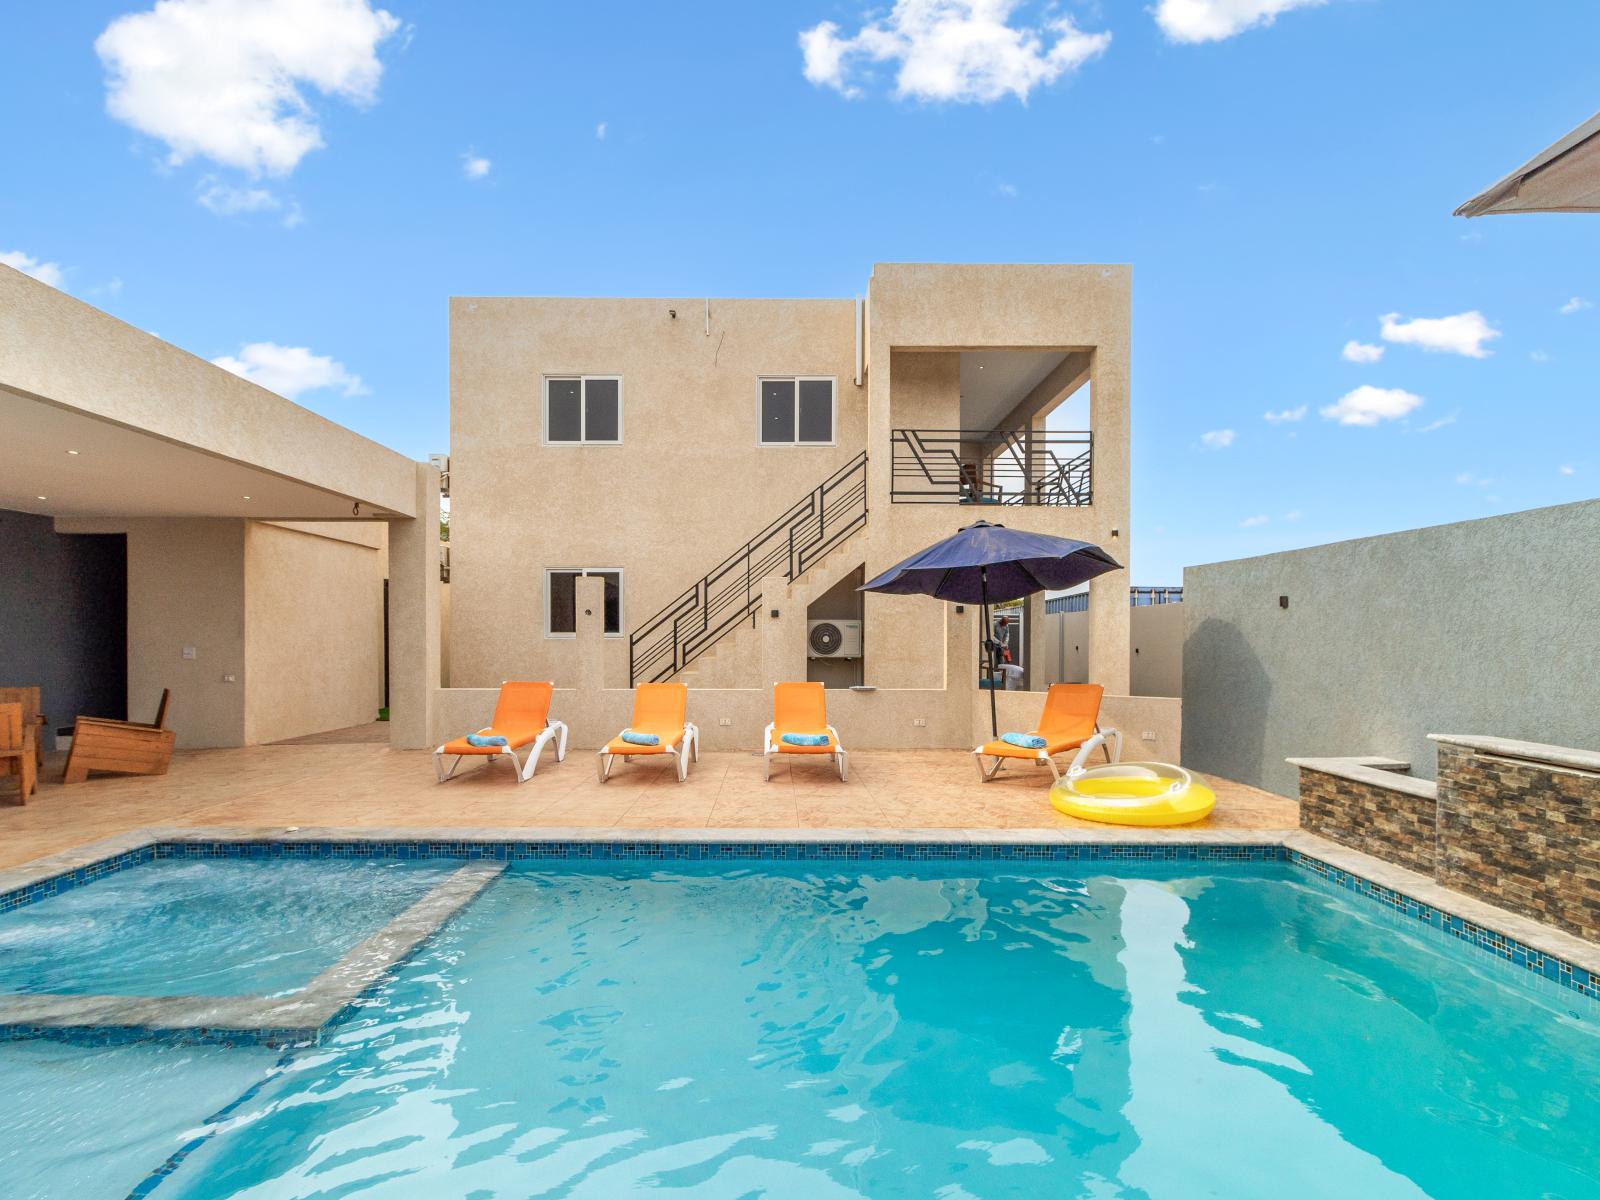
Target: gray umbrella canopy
{"points": [[1563, 177], [987, 564]]}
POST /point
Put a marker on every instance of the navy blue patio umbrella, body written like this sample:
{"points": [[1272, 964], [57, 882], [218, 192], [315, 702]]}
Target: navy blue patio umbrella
{"points": [[989, 564]]}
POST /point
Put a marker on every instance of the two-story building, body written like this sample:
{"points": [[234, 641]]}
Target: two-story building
{"points": [[721, 462]]}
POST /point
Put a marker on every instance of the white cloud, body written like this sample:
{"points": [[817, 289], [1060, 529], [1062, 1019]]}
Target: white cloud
{"points": [[1566, 470], [475, 166], [1286, 414], [1576, 304], [1252, 522], [226, 200], [1217, 439], [1006, 191], [962, 50], [1539, 356], [44, 272], [1465, 333], [290, 370], [1213, 20], [1294, 514], [1361, 352], [600, 131], [1368, 405], [223, 79], [1431, 426]]}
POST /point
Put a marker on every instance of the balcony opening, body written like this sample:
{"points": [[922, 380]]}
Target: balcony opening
{"points": [[1015, 431]]}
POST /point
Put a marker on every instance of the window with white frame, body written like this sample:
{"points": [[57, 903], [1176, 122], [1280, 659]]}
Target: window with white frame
{"points": [[561, 600], [796, 410], [583, 410]]}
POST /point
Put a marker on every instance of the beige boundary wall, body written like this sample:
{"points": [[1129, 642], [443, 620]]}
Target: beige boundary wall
{"points": [[313, 622], [957, 716]]}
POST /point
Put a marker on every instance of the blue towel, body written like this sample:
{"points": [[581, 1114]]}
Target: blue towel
{"points": [[640, 739], [478, 739], [806, 739], [1028, 741]]}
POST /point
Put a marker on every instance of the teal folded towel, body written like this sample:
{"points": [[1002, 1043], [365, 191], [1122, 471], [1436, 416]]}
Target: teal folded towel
{"points": [[1028, 741], [640, 739], [806, 739], [477, 739]]}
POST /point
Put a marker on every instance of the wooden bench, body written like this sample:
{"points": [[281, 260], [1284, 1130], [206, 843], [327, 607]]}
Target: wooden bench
{"points": [[17, 755], [125, 747]]}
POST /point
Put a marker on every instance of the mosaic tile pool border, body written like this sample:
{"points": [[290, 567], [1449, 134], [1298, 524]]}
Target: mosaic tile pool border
{"points": [[1566, 974]]}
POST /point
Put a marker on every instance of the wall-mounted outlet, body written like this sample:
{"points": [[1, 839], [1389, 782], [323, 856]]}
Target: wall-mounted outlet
{"points": [[230, 679], [725, 721], [188, 652], [919, 722], [1149, 735]]}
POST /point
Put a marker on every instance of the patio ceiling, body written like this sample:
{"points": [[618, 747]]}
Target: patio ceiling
{"points": [[1564, 177], [123, 472], [994, 382]]}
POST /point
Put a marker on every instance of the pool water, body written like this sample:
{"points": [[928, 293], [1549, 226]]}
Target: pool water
{"points": [[206, 927], [820, 1030]]}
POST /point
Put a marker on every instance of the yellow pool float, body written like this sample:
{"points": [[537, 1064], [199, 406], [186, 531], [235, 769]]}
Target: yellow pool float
{"points": [[1146, 794]]}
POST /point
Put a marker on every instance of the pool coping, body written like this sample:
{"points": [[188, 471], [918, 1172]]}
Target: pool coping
{"points": [[284, 1019], [1570, 961]]}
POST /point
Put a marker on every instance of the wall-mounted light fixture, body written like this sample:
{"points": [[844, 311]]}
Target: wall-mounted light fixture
{"points": [[774, 614], [1114, 532], [1283, 602]]}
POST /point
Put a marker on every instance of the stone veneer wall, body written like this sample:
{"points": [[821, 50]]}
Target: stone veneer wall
{"points": [[1369, 817], [1524, 835]]}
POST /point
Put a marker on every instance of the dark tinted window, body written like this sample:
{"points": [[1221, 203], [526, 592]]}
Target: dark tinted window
{"points": [[600, 410], [613, 601], [816, 410], [564, 601], [563, 416], [777, 410]]}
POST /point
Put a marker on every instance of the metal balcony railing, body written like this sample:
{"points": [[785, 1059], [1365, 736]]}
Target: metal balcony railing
{"points": [[992, 466]]}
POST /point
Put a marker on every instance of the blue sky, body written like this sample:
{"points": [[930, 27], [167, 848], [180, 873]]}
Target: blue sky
{"points": [[1279, 186]]}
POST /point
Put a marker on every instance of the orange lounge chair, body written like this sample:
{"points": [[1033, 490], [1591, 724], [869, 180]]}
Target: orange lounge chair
{"points": [[1070, 722], [802, 708], [522, 717], [658, 708]]}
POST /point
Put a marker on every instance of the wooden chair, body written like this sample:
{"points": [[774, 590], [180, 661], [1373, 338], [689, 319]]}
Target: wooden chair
{"points": [[126, 747], [16, 750], [32, 719]]}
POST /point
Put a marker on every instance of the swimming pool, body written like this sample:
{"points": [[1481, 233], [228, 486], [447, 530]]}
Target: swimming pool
{"points": [[937, 1029]]}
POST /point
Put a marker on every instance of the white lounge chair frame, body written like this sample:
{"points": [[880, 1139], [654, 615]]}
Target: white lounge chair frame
{"points": [[524, 767], [689, 745], [1109, 736], [841, 757]]}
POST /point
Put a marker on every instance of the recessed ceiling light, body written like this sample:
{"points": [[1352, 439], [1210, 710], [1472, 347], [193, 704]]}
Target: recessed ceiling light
{"points": [[247, 497], [41, 497], [71, 451]]}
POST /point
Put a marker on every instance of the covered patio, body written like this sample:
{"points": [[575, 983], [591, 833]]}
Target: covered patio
{"points": [[371, 786]]}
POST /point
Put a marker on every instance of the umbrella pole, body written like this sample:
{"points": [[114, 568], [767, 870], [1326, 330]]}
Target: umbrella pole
{"points": [[986, 649]]}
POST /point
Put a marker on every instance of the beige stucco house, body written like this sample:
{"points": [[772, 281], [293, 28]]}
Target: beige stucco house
{"points": [[706, 478]]}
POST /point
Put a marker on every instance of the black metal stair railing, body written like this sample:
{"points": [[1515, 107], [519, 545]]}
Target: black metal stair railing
{"points": [[730, 593], [992, 466]]}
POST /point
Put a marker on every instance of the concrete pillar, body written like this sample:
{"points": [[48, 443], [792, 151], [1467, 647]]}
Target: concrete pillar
{"points": [[1110, 635], [591, 602], [414, 673]]}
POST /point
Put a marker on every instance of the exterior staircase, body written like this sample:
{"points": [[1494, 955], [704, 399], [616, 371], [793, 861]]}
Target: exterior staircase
{"points": [[728, 596]]}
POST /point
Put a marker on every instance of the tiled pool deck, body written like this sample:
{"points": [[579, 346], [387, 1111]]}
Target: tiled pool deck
{"points": [[371, 786]]}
